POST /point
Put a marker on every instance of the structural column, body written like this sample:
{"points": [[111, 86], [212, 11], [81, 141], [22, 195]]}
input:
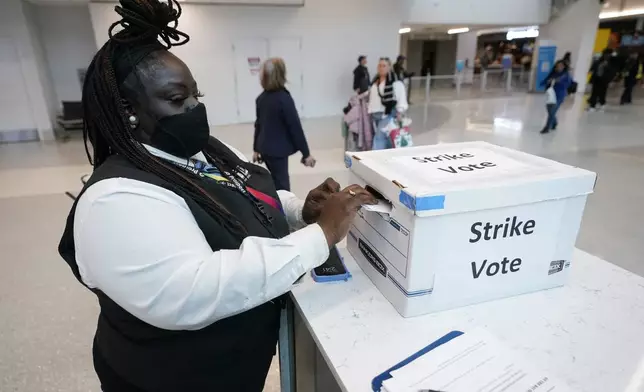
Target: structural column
{"points": [[466, 51]]}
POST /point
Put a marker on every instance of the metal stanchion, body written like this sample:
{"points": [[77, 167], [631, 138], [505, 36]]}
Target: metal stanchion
{"points": [[484, 80], [428, 82], [459, 81], [508, 82]]}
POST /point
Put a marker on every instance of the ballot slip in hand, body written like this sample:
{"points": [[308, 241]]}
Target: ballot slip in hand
{"points": [[382, 207], [473, 362]]}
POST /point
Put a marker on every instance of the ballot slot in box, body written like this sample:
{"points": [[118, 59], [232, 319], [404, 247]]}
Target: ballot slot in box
{"points": [[469, 222]]}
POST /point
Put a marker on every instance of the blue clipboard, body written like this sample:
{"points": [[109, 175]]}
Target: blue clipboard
{"points": [[376, 383]]}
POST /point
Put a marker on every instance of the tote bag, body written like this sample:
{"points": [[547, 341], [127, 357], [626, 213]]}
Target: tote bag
{"points": [[399, 133], [551, 96]]}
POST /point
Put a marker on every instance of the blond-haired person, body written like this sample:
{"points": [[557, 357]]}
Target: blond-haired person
{"points": [[278, 130]]}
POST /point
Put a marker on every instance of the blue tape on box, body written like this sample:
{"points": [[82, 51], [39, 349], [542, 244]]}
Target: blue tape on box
{"points": [[347, 161], [425, 203]]}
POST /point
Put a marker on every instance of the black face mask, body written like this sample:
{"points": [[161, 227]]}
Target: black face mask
{"points": [[183, 134]]}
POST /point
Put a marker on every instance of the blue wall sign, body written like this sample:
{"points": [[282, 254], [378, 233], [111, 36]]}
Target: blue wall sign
{"points": [[545, 61]]}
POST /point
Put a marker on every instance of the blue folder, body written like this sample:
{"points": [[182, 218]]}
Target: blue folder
{"points": [[376, 383]]}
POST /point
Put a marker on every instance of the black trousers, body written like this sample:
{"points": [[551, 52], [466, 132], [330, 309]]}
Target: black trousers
{"points": [[278, 166], [113, 382], [598, 94], [627, 95], [110, 381]]}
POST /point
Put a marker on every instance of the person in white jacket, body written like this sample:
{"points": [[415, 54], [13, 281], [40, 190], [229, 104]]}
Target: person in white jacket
{"points": [[387, 101]]}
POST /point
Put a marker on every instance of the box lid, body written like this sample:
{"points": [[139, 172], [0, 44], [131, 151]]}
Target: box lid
{"points": [[449, 178]]}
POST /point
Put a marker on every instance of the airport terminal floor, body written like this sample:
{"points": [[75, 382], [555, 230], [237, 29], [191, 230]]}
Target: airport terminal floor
{"points": [[47, 320]]}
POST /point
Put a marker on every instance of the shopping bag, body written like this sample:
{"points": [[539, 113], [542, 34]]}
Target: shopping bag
{"points": [[551, 96], [400, 136]]}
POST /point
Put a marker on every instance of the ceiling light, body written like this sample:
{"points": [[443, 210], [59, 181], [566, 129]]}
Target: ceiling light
{"points": [[519, 34], [404, 30], [619, 14], [459, 30]]}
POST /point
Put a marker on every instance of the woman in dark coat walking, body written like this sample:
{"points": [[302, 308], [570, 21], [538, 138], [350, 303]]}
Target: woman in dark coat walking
{"points": [[278, 130]]}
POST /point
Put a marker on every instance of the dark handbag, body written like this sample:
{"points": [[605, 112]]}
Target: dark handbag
{"points": [[572, 89]]}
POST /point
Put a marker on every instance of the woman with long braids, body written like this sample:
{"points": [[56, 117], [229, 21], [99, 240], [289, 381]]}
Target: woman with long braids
{"points": [[186, 244]]}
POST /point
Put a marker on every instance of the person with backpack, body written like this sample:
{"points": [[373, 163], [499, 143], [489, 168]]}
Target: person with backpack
{"points": [[558, 83]]}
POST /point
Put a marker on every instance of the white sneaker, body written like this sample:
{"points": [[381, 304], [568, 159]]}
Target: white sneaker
{"points": [[602, 108], [591, 110]]}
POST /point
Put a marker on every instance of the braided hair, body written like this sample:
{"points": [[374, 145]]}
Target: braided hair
{"points": [[148, 26]]}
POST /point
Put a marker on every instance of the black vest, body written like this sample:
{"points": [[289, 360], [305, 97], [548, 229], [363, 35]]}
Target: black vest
{"points": [[232, 354]]}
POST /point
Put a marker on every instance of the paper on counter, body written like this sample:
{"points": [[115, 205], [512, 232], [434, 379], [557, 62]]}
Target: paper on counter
{"points": [[473, 362], [382, 207]]}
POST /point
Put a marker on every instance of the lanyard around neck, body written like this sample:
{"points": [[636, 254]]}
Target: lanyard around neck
{"points": [[212, 172]]}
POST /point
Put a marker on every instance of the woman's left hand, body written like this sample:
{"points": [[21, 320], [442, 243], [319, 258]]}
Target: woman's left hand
{"points": [[316, 198]]}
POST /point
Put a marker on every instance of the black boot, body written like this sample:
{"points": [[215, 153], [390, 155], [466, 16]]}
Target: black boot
{"points": [[545, 130]]}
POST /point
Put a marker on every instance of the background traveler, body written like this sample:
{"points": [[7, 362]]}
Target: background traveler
{"points": [[361, 77], [559, 82], [631, 70], [601, 76], [278, 130], [567, 62], [387, 100], [402, 74], [487, 58]]}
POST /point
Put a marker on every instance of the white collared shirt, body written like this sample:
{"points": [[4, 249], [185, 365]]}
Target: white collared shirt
{"points": [[140, 245]]}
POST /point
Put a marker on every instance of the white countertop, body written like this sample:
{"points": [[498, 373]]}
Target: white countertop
{"points": [[589, 333]]}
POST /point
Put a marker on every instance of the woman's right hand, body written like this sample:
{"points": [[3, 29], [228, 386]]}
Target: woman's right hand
{"points": [[309, 161], [257, 158], [340, 209]]}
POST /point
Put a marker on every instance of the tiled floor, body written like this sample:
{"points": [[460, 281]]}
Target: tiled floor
{"points": [[47, 319]]}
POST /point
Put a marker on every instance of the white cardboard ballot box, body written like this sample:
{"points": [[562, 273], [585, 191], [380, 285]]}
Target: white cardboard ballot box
{"points": [[469, 222]]}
